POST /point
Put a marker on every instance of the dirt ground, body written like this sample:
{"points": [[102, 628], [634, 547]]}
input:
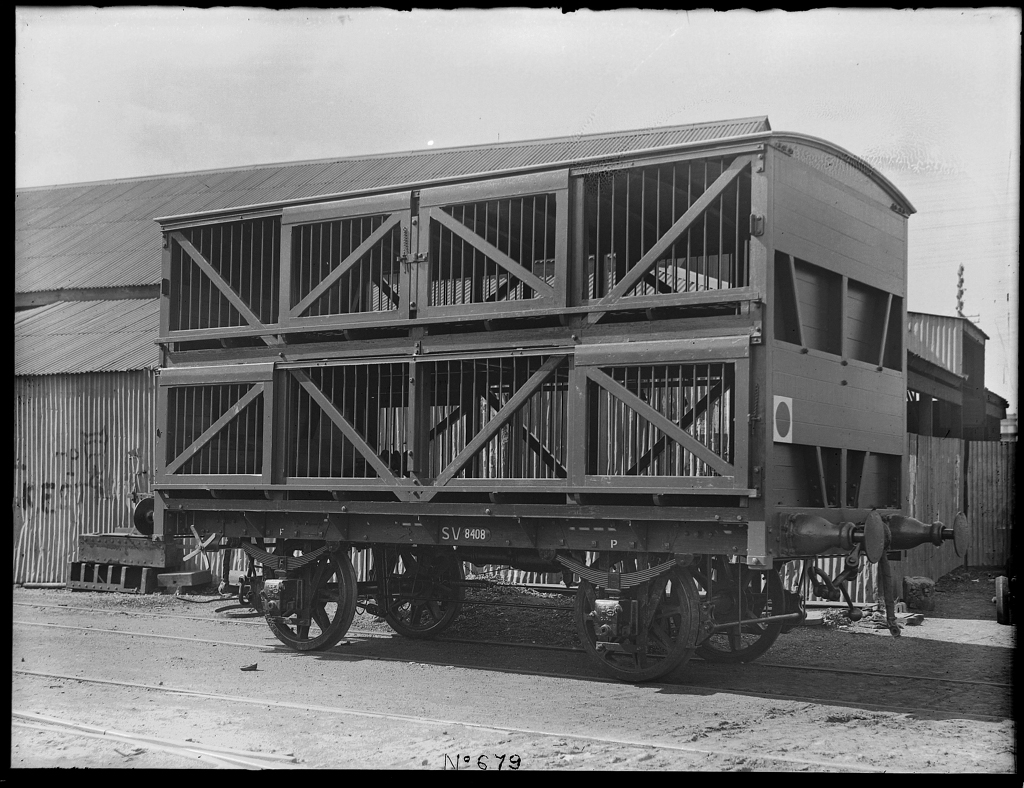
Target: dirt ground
{"points": [[539, 705]]}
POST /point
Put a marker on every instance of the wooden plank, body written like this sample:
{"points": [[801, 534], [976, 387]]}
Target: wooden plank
{"points": [[217, 426], [844, 317], [822, 485], [860, 196], [220, 373], [562, 264], [694, 212], [885, 328], [579, 433], [517, 401], [179, 579], [660, 421], [344, 209], [128, 550], [697, 349], [495, 188], [492, 252], [814, 240], [372, 240], [664, 485], [346, 428], [867, 414], [694, 298], [795, 292]]}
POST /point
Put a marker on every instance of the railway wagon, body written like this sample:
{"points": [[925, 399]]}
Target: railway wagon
{"points": [[660, 372]]}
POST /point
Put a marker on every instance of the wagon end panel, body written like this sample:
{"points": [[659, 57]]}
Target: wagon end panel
{"points": [[835, 420]]}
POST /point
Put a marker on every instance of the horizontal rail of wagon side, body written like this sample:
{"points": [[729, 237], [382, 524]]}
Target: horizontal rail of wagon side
{"points": [[493, 341], [506, 527]]}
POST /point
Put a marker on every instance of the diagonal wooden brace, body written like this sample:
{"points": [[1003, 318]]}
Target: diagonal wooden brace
{"points": [[493, 252], [644, 264], [518, 400], [226, 290], [372, 240], [213, 429], [346, 428], [662, 422]]}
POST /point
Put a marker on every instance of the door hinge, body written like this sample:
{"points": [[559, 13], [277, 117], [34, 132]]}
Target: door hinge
{"points": [[755, 333], [756, 225]]}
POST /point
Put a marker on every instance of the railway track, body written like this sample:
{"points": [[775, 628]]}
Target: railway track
{"points": [[440, 722], [357, 633], [334, 656]]}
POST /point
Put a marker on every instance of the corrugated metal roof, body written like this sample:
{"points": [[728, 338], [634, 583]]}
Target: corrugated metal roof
{"points": [[87, 336], [939, 339], [102, 234]]}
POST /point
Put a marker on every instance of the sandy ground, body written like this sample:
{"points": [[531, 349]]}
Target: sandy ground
{"points": [[387, 702]]}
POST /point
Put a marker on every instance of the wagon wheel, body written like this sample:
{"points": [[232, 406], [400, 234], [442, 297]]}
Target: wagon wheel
{"points": [[739, 594], [661, 638], [423, 596], [328, 602]]}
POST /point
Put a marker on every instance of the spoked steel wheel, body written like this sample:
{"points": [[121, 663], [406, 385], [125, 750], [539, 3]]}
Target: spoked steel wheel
{"points": [[740, 596], [651, 634], [423, 595], [327, 606]]}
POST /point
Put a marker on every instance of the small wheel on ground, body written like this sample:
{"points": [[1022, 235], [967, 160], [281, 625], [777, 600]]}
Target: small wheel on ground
{"points": [[328, 604], [740, 594], [657, 642], [423, 593]]}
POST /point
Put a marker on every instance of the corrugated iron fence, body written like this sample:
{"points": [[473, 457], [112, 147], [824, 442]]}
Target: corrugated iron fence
{"points": [[83, 454]]}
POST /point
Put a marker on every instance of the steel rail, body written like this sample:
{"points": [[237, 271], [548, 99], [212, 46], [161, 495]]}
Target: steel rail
{"points": [[223, 761], [147, 739], [529, 646], [359, 633], [435, 721]]}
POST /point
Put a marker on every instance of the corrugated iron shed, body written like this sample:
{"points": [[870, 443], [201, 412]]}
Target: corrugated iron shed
{"points": [[102, 234], [87, 336], [84, 451], [939, 339]]}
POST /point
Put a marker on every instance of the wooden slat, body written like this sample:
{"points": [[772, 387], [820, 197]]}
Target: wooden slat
{"points": [[660, 421], [638, 271], [517, 401], [885, 328], [214, 428], [346, 428], [796, 300], [493, 252], [371, 240], [821, 476]]}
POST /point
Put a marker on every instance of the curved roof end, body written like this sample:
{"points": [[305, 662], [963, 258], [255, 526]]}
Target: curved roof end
{"points": [[900, 201]]}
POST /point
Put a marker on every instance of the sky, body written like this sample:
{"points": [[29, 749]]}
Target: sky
{"points": [[930, 98]]}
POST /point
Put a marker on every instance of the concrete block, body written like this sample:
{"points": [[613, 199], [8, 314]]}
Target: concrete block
{"points": [[919, 593]]}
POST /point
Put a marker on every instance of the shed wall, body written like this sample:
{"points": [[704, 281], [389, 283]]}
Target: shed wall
{"points": [[83, 454]]}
